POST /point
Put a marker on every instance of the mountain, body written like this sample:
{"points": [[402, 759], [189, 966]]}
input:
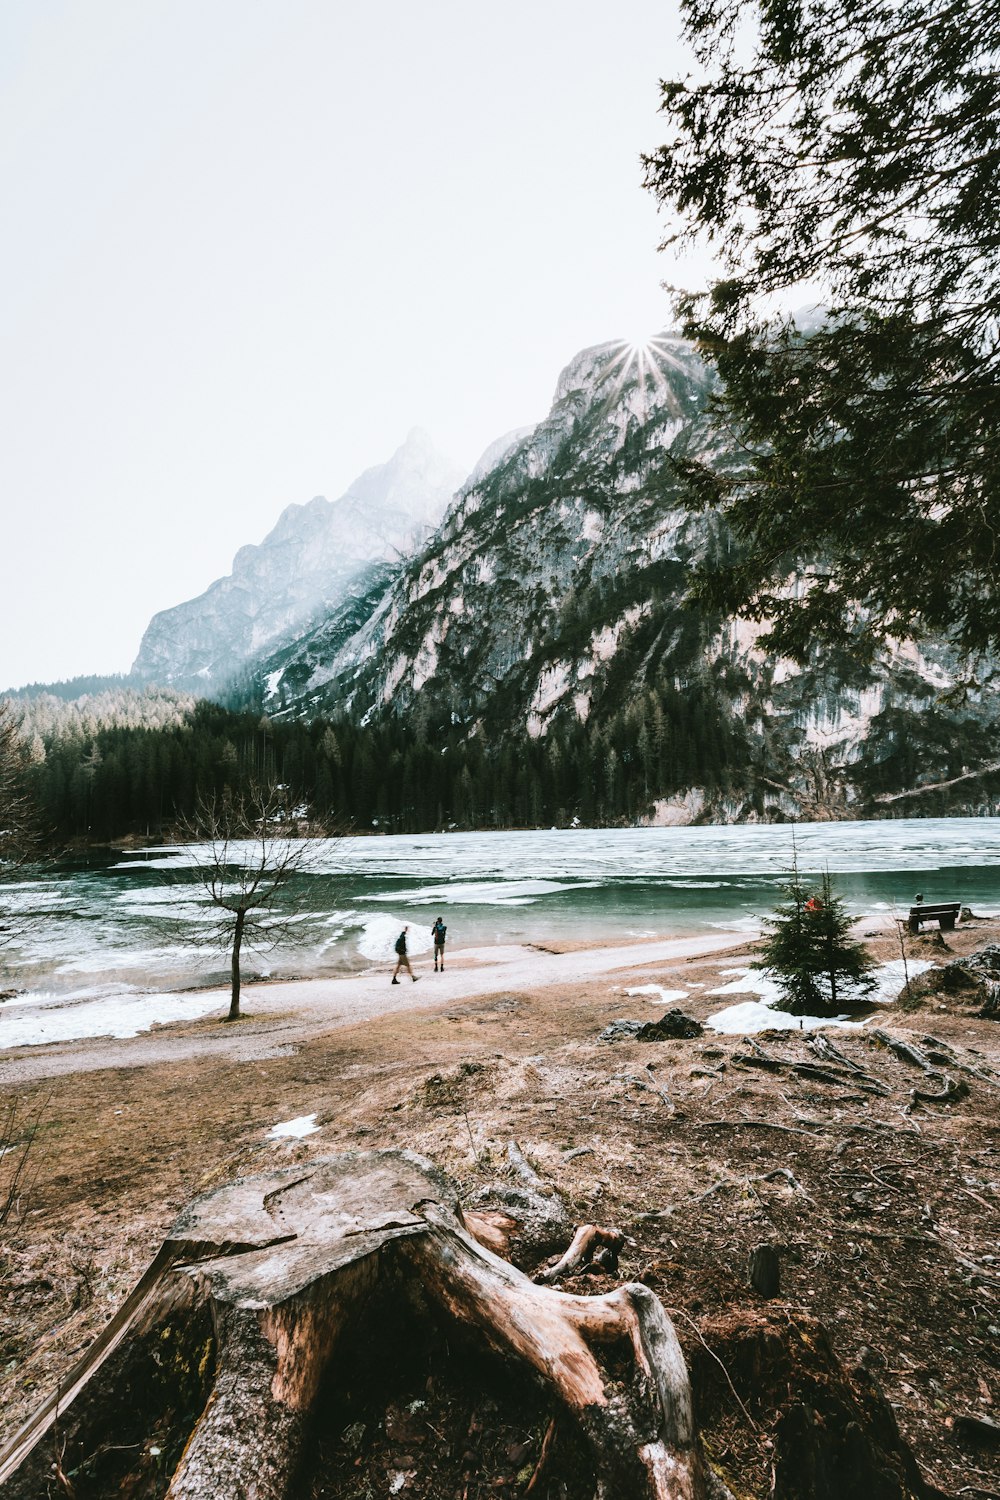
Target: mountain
{"points": [[553, 526], [307, 565], [548, 610]]}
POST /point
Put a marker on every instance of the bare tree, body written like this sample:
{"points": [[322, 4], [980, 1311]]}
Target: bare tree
{"points": [[246, 847]]}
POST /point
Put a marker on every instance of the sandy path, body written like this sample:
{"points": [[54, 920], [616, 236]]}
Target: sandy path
{"points": [[280, 1015]]}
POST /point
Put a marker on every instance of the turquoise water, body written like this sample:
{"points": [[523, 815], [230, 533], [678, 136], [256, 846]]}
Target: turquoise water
{"points": [[138, 922]]}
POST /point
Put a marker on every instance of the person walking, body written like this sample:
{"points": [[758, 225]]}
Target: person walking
{"points": [[402, 958], [438, 933]]}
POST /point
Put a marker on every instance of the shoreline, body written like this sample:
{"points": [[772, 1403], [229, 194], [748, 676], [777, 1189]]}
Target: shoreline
{"points": [[137, 843], [312, 1006]]}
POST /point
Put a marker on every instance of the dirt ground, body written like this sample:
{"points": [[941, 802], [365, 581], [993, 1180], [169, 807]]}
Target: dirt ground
{"points": [[885, 1209]]}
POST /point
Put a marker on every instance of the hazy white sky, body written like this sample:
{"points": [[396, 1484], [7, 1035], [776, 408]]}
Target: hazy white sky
{"points": [[247, 244]]}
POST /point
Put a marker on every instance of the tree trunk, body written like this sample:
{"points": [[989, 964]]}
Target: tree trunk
{"points": [[210, 1370], [234, 1003]]}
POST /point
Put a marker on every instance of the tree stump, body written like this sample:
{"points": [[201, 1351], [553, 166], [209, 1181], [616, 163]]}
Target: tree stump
{"points": [[202, 1385]]}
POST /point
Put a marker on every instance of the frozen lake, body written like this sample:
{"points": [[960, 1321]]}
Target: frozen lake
{"points": [[135, 923]]}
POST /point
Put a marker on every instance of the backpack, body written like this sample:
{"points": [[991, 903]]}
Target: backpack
{"points": [[401, 944], [439, 930]]}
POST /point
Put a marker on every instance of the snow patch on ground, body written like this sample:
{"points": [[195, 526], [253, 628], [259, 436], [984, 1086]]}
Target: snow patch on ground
{"points": [[657, 995], [295, 1129], [53, 1020], [754, 1015], [759, 1015]]}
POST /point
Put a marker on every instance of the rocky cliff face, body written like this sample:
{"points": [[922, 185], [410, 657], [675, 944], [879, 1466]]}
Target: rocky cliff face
{"points": [[559, 534], [549, 604], [308, 565]]}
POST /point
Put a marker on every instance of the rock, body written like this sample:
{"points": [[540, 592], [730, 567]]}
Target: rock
{"points": [[673, 1026], [518, 1453], [979, 972], [621, 1031]]}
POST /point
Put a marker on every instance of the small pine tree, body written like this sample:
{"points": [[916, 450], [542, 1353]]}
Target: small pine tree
{"points": [[817, 965]]}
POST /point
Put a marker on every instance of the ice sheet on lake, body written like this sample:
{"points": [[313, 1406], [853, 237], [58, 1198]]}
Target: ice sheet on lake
{"points": [[699, 885], [105, 960], [704, 852], [482, 893], [759, 1015], [379, 934], [295, 1129]]}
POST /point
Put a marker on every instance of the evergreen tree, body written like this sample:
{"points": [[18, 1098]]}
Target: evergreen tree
{"points": [[850, 148], [819, 968]]}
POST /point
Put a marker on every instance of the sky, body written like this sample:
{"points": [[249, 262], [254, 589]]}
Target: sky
{"points": [[247, 245]]}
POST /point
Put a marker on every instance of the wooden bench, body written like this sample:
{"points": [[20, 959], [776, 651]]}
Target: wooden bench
{"points": [[945, 914]]}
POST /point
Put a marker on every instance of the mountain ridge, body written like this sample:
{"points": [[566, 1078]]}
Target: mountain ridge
{"points": [[304, 564]]}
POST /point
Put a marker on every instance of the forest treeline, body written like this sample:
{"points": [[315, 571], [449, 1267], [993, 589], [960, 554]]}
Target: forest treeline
{"points": [[120, 779], [121, 763]]}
